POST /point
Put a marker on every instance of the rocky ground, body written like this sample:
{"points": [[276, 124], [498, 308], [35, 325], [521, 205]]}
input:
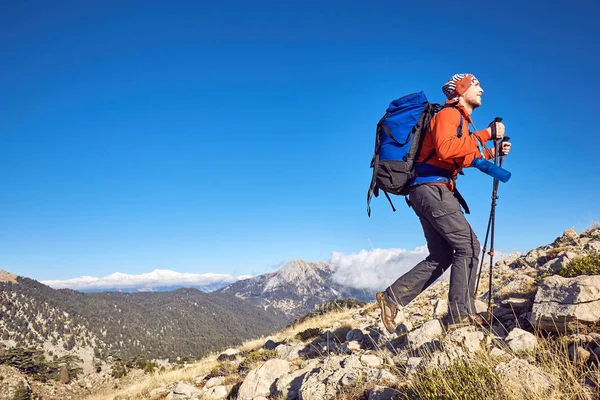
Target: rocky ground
{"points": [[544, 342]]}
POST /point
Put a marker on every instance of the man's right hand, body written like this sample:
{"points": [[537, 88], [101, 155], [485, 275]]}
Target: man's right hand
{"points": [[499, 130]]}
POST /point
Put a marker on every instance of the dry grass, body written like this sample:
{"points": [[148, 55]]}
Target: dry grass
{"points": [[140, 388]]}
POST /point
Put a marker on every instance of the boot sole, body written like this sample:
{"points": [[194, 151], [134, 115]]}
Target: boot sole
{"points": [[382, 307]]}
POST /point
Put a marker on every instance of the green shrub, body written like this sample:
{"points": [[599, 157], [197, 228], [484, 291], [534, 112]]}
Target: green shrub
{"points": [[461, 380], [588, 265], [119, 370], [256, 357], [222, 369]]}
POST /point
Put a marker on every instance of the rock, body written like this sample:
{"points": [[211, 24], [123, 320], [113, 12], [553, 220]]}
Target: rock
{"points": [[569, 238], [259, 380], [555, 265], [290, 353], [413, 364], [350, 347], [517, 305], [270, 345], [403, 328], [592, 247], [215, 393], [383, 393], [503, 312], [578, 355], [186, 389], [441, 308], [288, 386], [518, 286], [521, 341], [468, 338], [400, 317], [564, 304], [498, 353], [228, 355], [324, 383], [425, 334], [524, 379], [158, 393], [480, 306], [212, 382], [13, 385], [371, 360], [387, 376], [354, 334]]}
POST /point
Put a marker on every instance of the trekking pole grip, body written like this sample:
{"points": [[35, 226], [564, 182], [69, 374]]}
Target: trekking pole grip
{"points": [[493, 126]]}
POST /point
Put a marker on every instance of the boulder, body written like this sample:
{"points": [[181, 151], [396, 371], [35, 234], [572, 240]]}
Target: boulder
{"points": [[521, 341], [215, 393], [228, 355], [259, 380], [564, 304], [426, 334], [524, 380], [326, 382]]}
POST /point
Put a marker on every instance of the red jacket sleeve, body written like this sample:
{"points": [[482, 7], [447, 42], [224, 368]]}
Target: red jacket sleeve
{"points": [[448, 145]]}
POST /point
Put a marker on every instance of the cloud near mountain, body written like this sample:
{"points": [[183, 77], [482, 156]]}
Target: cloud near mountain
{"points": [[159, 278], [374, 269]]}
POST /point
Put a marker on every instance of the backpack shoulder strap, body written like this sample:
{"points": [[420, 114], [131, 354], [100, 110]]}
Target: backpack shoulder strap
{"points": [[460, 124]]}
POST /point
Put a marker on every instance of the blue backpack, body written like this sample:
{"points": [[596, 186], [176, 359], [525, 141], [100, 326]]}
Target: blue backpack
{"points": [[399, 137]]}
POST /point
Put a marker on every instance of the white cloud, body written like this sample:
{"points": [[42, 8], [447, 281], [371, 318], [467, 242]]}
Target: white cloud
{"points": [[374, 269], [378, 268], [145, 281]]}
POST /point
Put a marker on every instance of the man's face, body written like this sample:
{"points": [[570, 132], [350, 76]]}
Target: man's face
{"points": [[473, 95]]}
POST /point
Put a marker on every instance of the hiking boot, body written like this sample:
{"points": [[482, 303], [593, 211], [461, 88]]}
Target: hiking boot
{"points": [[388, 311]]}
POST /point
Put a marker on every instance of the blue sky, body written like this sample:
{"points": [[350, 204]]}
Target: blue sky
{"points": [[232, 136]]}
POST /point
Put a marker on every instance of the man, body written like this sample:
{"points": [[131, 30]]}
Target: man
{"points": [[447, 147]]}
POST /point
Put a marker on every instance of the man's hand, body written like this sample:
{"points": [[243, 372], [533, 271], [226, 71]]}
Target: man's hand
{"points": [[499, 130], [505, 148]]}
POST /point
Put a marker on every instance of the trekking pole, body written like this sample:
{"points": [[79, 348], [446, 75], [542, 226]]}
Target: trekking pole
{"points": [[494, 189], [491, 223]]}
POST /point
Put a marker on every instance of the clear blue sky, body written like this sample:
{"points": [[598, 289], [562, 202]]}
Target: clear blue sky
{"points": [[229, 136]]}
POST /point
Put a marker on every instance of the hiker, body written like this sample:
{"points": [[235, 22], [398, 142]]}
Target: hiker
{"points": [[447, 147]]}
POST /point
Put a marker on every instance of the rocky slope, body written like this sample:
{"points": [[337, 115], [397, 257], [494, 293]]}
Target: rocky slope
{"points": [[295, 289], [347, 354]]}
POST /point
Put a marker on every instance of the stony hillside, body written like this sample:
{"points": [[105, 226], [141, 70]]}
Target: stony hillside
{"points": [[295, 289], [345, 354]]}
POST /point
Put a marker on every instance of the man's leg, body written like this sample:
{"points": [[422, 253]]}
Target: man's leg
{"points": [[444, 213], [422, 275]]}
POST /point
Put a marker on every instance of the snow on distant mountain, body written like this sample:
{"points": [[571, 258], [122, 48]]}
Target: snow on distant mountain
{"points": [[156, 281]]}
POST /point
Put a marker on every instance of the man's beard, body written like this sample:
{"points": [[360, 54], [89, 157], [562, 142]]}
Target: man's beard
{"points": [[474, 104]]}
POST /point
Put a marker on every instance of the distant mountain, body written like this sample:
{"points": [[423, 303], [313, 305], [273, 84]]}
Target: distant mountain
{"points": [[154, 324], [296, 288]]}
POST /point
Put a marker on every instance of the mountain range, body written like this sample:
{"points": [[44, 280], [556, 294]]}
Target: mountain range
{"points": [[166, 324]]}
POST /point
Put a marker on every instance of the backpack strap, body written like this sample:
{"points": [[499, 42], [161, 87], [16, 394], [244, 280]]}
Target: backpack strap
{"points": [[373, 189]]}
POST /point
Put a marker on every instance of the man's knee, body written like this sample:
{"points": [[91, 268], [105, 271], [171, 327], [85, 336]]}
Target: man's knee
{"points": [[442, 258], [468, 246]]}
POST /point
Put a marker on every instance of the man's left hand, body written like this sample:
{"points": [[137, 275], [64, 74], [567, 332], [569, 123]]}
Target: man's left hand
{"points": [[505, 149]]}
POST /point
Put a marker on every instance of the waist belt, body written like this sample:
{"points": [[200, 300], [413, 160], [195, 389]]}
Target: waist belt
{"points": [[461, 200]]}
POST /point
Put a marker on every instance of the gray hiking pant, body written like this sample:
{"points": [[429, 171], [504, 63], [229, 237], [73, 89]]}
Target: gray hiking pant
{"points": [[450, 241]]}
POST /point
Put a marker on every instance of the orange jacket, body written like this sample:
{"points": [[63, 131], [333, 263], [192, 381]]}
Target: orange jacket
{"points": [[451, 151]]}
